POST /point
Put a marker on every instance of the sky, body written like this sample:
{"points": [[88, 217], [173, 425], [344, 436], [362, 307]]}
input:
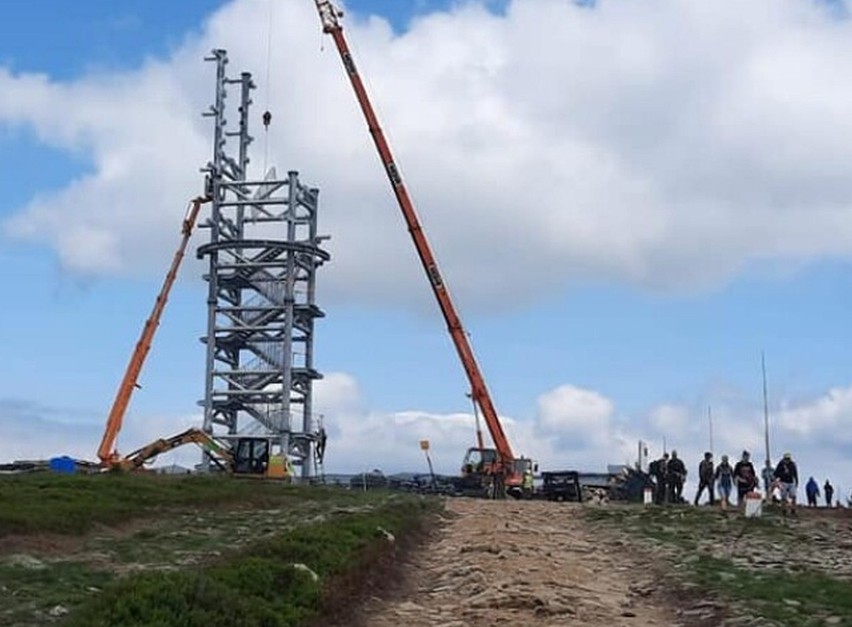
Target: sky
{"points": [[629, 201]]}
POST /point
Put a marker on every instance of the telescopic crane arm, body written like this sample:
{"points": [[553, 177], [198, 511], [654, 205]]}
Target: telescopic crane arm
{"points": [[106, 451], [330, 17]]}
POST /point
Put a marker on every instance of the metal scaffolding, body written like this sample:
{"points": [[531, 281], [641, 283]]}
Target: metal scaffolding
{"points": [[263, 255]]}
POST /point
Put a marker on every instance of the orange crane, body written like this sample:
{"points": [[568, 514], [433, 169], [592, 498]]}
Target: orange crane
{"points": [[498, 463], [106, 451]]}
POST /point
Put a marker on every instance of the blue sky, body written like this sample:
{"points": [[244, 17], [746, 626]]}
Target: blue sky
{"points": [[67, 333]]}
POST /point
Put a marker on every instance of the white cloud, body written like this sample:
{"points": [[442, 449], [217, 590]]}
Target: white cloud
{"points": [[574, 428], [670, 419], [668, 144], [579, 415], [831, 413]]}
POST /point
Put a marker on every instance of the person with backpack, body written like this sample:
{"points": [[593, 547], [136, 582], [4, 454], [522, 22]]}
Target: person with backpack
{"points": [[725, 480], [659, 470], [677, 475], [705, 478], [745, 477], [787, 476]]}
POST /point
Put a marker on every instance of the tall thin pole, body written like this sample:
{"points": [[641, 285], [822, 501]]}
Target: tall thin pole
{"points": [[710, 425], [765, 408], [431, 470]]}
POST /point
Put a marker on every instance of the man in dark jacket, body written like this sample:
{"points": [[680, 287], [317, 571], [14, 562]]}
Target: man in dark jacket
{"points": [[659, 470], [706, 476], [828, 492], [812, 492], [787, 476], [745, 477], [677, 475]]}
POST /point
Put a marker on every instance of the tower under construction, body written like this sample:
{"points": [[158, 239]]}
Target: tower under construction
{"points": [[263, 255]]}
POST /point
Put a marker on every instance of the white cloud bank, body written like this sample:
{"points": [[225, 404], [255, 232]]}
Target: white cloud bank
{"points": [[666, 143], [574, 428], [580, 428]]}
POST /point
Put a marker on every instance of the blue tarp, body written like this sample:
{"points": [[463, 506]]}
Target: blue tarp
{"points": [[63, 464]]}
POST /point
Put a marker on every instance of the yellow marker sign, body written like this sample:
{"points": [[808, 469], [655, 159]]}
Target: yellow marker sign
{"points": [[424, 445]]}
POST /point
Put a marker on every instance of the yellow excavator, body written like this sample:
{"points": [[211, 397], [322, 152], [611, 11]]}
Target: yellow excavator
{"points": [[249, 456]]}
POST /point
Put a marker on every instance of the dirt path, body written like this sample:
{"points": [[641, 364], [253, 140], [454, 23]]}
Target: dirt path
{"points": [[519, 563]]}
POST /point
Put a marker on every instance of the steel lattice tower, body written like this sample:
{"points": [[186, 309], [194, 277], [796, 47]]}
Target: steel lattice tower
{"points": [[263, 255]]}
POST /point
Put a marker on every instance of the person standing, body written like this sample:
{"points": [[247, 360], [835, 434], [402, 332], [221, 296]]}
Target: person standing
{"points": [[659, 470], [787, 475], [705, 478], [812, 490], [529, 484], [677, 475], [768, 475], [725, 479], [828, 492], [745, 477]]}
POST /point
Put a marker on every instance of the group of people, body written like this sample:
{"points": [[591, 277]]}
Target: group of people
{"points": [[669, 473], [812, 492], [779, 483]]}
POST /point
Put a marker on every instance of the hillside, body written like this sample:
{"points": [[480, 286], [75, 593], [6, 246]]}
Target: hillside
{"points": [[141, 550]]}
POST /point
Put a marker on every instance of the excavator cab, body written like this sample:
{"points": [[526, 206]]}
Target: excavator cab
{"points": [[524, 464], [479, 461], [480, 473], [251, 456]]}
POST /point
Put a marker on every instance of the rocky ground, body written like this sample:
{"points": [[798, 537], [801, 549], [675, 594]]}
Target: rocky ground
{"points": [[518, 563], [484, 563], [772, 570]]}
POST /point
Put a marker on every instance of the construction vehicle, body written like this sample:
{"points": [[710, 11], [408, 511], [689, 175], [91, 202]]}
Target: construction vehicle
{"points": [[495, 469], [561, 485], [242, 456]]}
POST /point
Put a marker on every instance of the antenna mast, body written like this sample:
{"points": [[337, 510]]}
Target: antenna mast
{"points": [[765, 407]]}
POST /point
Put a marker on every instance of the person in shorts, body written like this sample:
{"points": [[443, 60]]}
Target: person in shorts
{"points": [[745, 478], [725, 481], [787, 476]]}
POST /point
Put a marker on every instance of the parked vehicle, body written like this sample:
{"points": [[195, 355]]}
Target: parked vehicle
{"points": [[561, 485]]}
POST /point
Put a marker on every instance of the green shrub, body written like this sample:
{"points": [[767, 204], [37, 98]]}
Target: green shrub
{"points": [[259, 585]]}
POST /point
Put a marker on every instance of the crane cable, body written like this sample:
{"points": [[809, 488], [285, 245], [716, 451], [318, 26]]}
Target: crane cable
{"points": [[267, 116]]}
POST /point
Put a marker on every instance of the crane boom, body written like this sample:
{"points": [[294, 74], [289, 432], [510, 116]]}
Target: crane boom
{"points": [[106, 451], [330, 18]]}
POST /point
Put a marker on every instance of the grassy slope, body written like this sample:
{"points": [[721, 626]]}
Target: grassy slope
{"points": [[799, 597], [260, 586], [75, 504], [204, 550]]}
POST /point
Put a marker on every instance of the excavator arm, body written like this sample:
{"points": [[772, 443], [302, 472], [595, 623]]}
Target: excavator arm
{"points": [[138, 458], [330, 18], [106, 451]]}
